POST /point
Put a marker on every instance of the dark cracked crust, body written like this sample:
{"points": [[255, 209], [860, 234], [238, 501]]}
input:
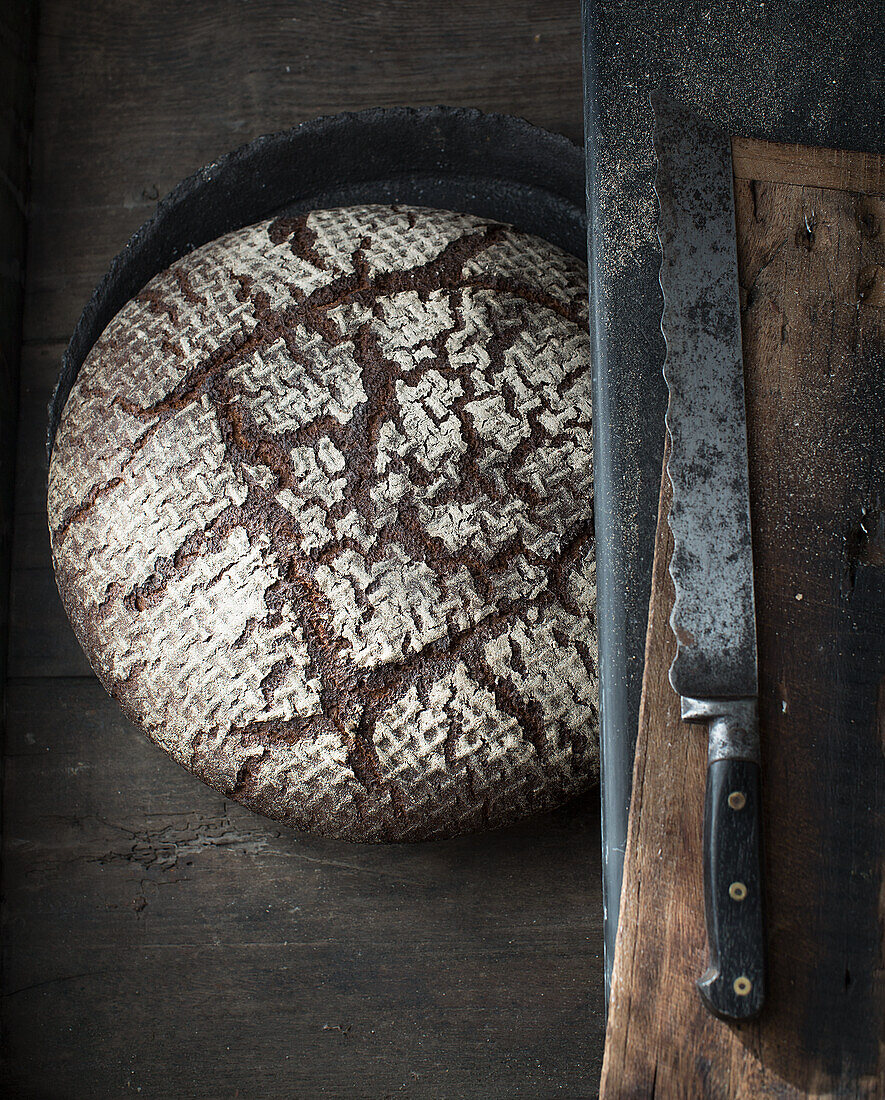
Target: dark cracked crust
{"points": [[321, 515]]}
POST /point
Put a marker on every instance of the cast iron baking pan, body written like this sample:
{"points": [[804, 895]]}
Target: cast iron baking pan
{"points": [[495, 166]]}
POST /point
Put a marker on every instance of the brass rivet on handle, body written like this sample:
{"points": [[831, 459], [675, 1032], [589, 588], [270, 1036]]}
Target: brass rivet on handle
{"points": [[738, 891], [737, 800], [742, 985]]}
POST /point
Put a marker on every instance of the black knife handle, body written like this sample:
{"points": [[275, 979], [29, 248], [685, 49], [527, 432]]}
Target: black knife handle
{"points": [[733, 986]]}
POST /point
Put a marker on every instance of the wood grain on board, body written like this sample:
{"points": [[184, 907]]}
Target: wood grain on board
{"points": [[811, 263], [157, 939], [807, 166]]}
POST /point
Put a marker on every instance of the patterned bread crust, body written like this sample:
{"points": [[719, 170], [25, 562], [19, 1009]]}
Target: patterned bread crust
{"points": [[321, 516]]}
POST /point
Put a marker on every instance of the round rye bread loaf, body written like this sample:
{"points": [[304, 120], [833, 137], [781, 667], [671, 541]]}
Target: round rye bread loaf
{"points": [[321, 515]]}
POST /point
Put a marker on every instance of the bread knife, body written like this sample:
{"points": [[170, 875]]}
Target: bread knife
{"points": [[714, 618]]}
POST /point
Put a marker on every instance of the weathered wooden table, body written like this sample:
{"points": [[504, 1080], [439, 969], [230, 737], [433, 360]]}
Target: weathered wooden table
{"points": [[159, 940]]}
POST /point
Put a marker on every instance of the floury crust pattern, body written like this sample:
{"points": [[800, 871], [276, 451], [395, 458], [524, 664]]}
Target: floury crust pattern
{"points": [[321, 516]]}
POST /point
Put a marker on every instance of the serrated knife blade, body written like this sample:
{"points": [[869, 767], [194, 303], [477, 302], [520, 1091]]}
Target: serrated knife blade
{"points": [[714, 617]]}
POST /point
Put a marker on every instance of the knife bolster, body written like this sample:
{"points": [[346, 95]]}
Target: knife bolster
{"points": [[733, 726]]}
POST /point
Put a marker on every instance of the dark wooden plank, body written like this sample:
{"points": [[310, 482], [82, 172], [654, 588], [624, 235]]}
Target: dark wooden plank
{"points": [[810, 260], [41, 640], [160, 938], [39, 370], [354, 1021], [18, 40], [30, 547], [157, 938]]}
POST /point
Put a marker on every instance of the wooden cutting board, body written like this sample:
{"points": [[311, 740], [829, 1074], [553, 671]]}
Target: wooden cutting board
{"points": [[811, 251]]}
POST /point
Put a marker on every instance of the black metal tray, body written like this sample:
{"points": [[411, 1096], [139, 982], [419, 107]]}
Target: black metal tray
{"points": [[794, 71]]}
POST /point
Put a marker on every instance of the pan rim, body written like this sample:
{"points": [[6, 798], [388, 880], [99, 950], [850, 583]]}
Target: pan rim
{"points": [[528, 173]]}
